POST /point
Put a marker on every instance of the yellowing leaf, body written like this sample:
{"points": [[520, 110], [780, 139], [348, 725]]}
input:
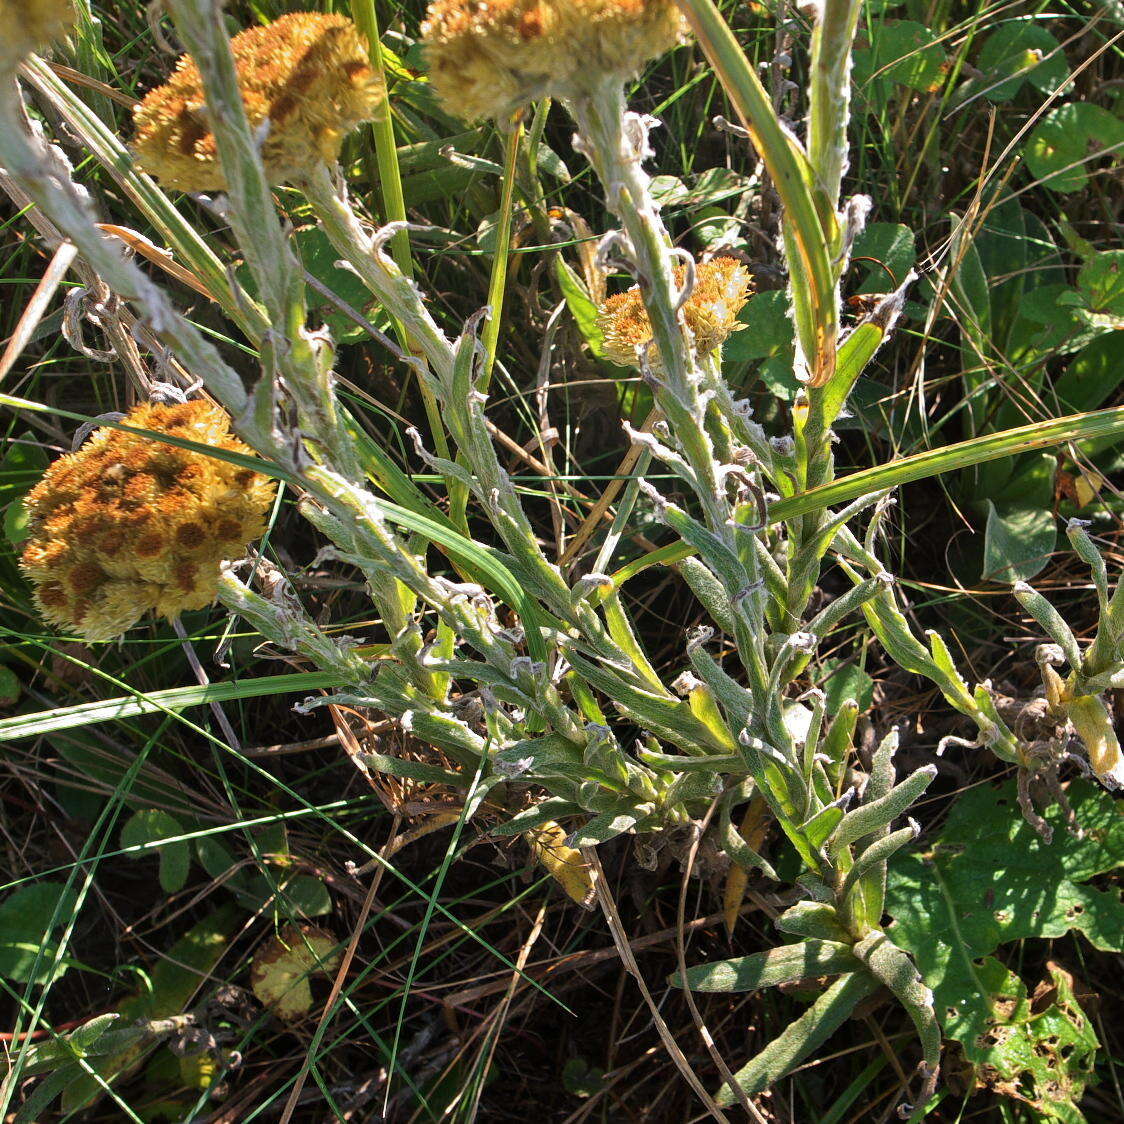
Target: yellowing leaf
{"points": [[1087, 487], [754, 825], [283, 965], [565, 865]]}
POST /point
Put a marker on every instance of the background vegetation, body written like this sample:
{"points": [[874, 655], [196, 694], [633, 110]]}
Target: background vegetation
{"points": [[157, 840]]}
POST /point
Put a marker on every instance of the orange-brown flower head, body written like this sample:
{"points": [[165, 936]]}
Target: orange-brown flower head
{"points": [[27, 25], [128, 523], [722, 286], [487, 58], [306, 82]]}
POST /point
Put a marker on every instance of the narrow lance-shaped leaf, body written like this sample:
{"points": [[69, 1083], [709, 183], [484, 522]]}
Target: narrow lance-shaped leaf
{"points": [[878, 813], [1050, 621], [907, 470], [893, 968], [803, 1036], [771, 968]]}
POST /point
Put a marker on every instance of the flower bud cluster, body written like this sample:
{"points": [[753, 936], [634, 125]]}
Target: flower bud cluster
{"points": [[28, 25], [487, 58], [128, 524], [721, 289], [306, 82]]}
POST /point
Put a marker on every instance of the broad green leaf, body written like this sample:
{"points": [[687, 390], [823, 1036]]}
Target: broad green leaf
{"points": [[27, 919], [308, 895], [714, 185], [10, 686], [901, 53], [1093, 373], [581, 307], [580, 1079], [215, 857], [15, 522], [893, 248], [1058, 149], [767, 331], [989, 880], [283, 965], [1004, 250], [845, 679], [319, 258], [1051, 318], [1026, 481], [779, 375], [1018, 542], [146, 827], [969, 305], [23, 462], [1101, 279], [1019, 52]]}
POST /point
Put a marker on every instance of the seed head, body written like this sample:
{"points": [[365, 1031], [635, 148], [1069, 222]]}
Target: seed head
{"points": [[128, 524], [722, 286], [306, 81], [27, 25], [489, 57]]}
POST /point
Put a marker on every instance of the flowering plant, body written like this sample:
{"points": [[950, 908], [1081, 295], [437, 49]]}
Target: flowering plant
{"points": [[523, 671]]}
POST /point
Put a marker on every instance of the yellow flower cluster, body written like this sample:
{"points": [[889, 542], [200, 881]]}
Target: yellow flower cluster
{"points": [[722, 286], [128, 524], [306, 80], [27, 25], [487, 58]]}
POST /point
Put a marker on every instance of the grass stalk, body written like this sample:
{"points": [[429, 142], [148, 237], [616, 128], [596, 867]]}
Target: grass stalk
{"points": [[394, 201]]}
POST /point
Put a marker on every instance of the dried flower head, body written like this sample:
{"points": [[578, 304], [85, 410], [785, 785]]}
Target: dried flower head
{"points": [[487, 58], [306, 82], [127, 524], [27, 25], [722, 286]]}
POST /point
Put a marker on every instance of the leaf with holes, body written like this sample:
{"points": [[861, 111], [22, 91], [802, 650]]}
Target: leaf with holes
{"points": [[989, 879]]}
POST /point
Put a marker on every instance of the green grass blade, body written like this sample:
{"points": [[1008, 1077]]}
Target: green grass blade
{"points": [[951, 458], [807, 241], [158, 702], [908, 470]]}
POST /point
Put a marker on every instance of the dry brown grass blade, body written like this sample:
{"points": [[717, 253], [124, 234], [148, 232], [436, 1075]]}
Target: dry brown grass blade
{"points": [[77, 78], [56, 270], [546, 971], [601, 507], [753, 828], [160, 258], [740, 1095], [624, 948], [341, 975]]}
